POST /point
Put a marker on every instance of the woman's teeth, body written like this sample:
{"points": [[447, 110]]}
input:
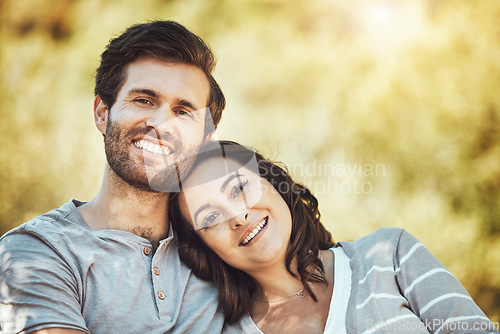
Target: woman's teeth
{"points": [[255, 231]]}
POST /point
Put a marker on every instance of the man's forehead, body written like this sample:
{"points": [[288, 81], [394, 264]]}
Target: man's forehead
{"points": [[158, 75]]}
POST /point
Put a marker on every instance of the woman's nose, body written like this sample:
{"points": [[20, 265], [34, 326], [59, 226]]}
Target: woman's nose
{"points": [[240, 219]]}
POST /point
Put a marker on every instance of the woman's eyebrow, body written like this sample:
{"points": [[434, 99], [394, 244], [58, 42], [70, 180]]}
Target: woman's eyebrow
{"points": [[232, 176], [222, 189], [201, 208]]}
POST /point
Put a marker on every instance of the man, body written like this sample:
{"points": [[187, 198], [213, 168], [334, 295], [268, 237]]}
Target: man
{"points": [[111, 265]]}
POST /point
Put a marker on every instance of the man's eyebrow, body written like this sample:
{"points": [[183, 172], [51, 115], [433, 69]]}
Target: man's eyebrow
{"points": [[186, 103], [152, 93], [145, 91]]}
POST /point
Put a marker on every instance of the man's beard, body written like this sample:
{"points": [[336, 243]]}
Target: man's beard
{"points": [[139, 174]]}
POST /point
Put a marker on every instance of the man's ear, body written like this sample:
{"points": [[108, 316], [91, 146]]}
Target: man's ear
{"points": [[208, 137], [101, 114]]}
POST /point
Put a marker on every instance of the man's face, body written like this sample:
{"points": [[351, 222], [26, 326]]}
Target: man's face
{"points": [[156, 126]]}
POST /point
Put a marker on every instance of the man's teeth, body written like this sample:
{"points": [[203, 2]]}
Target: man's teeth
{"points": [[254, 232], [150, 147]]}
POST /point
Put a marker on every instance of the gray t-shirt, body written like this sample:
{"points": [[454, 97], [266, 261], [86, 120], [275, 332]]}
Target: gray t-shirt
{"points": [[55, 271]]}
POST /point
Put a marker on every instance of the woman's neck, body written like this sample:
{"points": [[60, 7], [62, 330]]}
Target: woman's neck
{"points": [[278, 308], [276, 283]]}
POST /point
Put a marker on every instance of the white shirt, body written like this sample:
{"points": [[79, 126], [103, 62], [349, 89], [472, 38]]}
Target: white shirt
{"points": [[335, 323]]}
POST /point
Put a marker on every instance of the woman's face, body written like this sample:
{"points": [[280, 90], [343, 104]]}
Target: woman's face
{"points": [[239, 215]]}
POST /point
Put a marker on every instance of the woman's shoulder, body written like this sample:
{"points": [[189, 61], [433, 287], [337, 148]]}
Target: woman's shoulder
{"points": [[379, 247], [381, 239]]}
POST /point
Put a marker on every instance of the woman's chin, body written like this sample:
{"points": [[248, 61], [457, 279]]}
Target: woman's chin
{"points": [[264, 256]]}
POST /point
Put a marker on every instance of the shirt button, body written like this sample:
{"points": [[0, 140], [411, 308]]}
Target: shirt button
{"points": [[147, 251], [161, 295], [156, 271]]}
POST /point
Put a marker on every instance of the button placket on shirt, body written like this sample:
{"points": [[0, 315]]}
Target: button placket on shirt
{"points": [[159, 284]]}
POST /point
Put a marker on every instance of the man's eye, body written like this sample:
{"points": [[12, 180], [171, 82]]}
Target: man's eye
{"points": [[239, 189], [182, 112], [143, 101]]}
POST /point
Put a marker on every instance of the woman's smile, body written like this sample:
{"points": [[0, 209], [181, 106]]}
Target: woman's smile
{"points": [[235, 211], [254, 232]]}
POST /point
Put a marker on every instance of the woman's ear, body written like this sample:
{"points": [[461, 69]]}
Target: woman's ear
{"points": [[101, 114]]}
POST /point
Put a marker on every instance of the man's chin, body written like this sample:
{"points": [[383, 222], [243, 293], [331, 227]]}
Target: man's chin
{"points": [[151, 175], [154, 185], [161, 185], [163, 180], [169, 179], [150, 180]]}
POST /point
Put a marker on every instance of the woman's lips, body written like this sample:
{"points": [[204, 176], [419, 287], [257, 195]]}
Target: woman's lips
{"points": [[254, 231]]}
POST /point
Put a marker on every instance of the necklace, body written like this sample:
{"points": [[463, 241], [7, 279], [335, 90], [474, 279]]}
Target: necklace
{"points": [[299, 294]]}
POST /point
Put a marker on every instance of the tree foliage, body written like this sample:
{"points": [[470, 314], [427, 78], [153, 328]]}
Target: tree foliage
{"points": [[332, 88]]}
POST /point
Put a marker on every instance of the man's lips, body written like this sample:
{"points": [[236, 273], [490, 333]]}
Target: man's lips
{"points": [[152, 147], [253, 231]]}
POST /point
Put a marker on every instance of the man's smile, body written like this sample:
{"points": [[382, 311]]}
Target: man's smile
{"points": [[152, 147]]}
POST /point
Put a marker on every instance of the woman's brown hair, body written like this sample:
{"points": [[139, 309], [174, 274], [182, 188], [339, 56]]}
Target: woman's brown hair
{"points": [[308, 234]]}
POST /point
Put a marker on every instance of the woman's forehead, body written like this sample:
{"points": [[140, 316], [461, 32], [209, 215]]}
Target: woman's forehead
{"points": [[215, 170]]}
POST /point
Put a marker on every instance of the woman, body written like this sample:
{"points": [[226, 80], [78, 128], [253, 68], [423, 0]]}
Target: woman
{"points": [[243, 224]]}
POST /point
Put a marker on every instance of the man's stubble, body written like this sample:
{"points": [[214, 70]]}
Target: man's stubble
{"points": [[137, 173]]}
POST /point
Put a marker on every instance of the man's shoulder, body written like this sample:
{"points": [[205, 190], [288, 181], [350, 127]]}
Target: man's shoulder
{"points": [[52, 225]]}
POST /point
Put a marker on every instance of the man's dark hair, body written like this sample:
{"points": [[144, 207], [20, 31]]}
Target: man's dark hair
{"points": [[165, 40]]}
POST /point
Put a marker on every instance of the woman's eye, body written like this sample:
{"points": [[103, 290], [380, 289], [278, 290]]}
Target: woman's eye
{"points": [[239, 189], [209, 221]]}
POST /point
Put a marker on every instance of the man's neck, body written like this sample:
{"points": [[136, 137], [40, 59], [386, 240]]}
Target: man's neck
{"points": [[120, 206]]}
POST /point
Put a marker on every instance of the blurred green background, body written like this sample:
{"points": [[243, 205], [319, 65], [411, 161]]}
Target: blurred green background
{"points": [[388, 110]]}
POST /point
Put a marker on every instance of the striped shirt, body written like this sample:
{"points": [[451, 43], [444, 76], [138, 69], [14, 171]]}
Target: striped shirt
{"points": [[398, 286]]}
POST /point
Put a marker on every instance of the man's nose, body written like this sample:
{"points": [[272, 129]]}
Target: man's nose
{"points": [[162, 119]]}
